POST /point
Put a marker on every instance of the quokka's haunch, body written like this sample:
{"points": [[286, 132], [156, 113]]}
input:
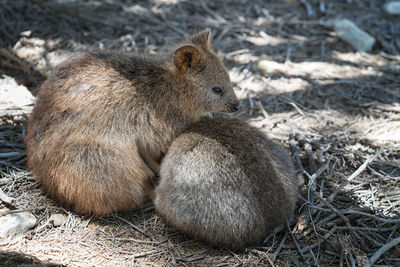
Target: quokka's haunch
{"points": [[225, 182]]}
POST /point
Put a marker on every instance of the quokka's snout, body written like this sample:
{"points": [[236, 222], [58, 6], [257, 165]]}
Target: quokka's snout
{"points": [[233, 107]]}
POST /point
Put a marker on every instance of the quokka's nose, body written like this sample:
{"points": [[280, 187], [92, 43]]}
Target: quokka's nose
{"points": [[235, 106]]}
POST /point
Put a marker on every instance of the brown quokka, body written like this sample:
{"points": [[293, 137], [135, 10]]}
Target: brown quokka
{"points": [[225, 183], [81, 136]]}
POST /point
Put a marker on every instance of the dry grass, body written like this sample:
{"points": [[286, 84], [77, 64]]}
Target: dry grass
{"points": [[336, 110]]}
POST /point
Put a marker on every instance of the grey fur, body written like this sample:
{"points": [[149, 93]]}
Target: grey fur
{"points": [[224, 182]]}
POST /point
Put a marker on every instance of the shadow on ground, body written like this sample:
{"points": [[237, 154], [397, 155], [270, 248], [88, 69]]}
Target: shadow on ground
{"points": [[21, 259]]}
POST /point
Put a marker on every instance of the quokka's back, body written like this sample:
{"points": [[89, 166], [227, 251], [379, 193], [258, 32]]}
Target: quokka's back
{"points": [[89, 113], [226, 183]]}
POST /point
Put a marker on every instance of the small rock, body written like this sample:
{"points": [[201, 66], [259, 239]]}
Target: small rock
{"points": [[57, 219], [30, 234], [351, 33], [26, 33], [16, 224], [392, 7], [13, 95], [31, 52], [55, 58], [136, 9]]}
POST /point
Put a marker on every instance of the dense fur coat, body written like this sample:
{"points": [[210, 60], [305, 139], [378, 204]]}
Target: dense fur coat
{"points": [[224, 182], [89, 113]]}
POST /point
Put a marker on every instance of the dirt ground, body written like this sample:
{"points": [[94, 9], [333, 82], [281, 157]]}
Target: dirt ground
{"points": [[335, 109]]}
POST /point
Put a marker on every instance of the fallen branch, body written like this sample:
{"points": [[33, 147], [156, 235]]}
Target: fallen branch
{"points": [[281, 244], [382, 250], [23, 65], [310, 11], [333, 209], [11, 154], [20, 210], [5, 198], [260, 106], [355, 174], [297, 244], [135, 227], [319, 242], [350, 211], [295, 151]]}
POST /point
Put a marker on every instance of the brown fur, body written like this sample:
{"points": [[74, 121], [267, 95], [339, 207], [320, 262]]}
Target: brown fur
{"points": [[81, 134], [224, 182]]}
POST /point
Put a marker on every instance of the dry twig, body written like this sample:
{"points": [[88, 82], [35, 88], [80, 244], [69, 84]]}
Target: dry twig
{"points": [[5, 198], [383, 249], [355, 174]]}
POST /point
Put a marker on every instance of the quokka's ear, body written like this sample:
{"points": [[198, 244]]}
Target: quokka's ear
{"points": [[186, 57], [203, 38]]}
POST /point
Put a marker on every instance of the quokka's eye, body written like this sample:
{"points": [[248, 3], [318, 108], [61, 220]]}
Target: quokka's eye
{"points": [[217, 90]]}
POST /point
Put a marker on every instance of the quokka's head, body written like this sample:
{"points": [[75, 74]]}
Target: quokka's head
{"points": [[210, 88]]}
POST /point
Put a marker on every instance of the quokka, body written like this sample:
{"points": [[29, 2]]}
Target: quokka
{"points": [[81, 136], [224, 182]]}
